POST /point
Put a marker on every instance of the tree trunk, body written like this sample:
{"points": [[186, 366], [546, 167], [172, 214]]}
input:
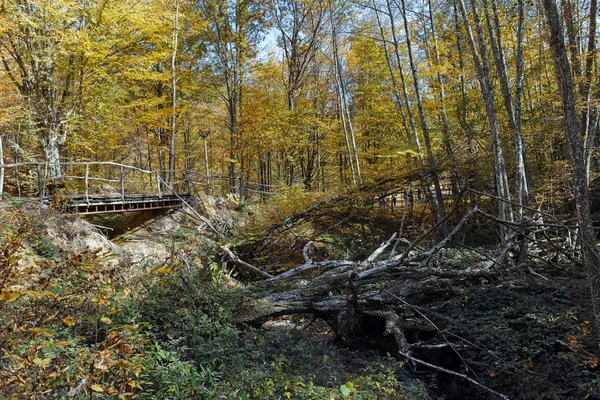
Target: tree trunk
{"points": [[52, 152], [513, 106], [487, 91], [1, 169], [396, 90], [591, 116], [441, 209], [590, 253], [345, 113], [411, 118], [174, 96]]}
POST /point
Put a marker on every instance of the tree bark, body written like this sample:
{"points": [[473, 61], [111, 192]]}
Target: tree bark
{"points": [[590, 253], [487, 91]]}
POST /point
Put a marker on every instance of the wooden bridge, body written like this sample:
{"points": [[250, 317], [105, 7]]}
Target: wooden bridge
{"points": [[108, 187]]}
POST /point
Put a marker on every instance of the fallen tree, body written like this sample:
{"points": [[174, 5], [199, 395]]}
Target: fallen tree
{"points": [[401, 298]]}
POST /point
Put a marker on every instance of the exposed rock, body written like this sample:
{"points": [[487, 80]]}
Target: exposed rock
{"points": [[75, 235]]}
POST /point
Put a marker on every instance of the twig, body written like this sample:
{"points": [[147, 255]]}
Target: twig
{"points": [[75, 391], [535, 210], [434, 326], [532, 272], [447, 371], [401, 230]]}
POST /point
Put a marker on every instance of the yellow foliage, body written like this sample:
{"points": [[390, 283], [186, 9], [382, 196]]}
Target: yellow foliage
{"points": [[10, 295]]}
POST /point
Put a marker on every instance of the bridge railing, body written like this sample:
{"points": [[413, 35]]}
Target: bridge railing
{"points": [[92, 178], [86, 178]]}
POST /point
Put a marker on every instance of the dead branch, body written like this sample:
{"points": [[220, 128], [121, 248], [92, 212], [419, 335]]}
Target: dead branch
{"points": [[225, 249], [401, 258], [392, 327], [323, 265], [447, 371], [379, 250], [305, 251]]}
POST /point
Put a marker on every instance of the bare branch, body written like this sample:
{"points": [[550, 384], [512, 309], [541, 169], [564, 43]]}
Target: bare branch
{"points": [[473, 381], [237, 260]]}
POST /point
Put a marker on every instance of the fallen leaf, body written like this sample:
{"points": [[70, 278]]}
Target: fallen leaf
{"points": [[97, 388], [9, 295], [41, 362]]}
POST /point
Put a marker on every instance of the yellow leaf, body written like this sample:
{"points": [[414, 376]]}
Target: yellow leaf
{"points": [[166, 269], [106, 320], [50, 318], [9, 295], [39, 294], [97, 388], [41, 362], [134, 385], [69, 321]]}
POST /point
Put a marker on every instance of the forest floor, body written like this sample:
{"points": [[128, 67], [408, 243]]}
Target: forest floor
{"points": [[152, 314]]}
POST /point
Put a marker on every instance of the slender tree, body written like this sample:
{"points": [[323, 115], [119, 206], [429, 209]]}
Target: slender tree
{"points": [[233, 31], [174, 95], [512, 102], [564, 74], [433, 168], [487, 92]]}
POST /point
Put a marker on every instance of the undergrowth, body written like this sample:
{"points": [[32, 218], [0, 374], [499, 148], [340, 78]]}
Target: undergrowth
{"points": [[78, 326]]}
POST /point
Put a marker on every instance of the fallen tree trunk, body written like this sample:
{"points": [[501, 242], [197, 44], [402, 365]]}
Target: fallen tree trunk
{"points": [[336, 290], [416, 301], [345, 293]]}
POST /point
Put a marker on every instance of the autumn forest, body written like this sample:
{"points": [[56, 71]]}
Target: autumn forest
{"points": [[437, 127]]}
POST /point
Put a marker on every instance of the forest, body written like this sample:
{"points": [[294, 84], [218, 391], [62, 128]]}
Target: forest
{"points": [[402, 194]]}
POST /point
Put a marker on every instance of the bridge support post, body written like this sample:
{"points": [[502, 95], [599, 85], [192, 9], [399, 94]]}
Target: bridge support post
{"points": [[87, 186], [40, 182], [122, 185], [158, 185]]}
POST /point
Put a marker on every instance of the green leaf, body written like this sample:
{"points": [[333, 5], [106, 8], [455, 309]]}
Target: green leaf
{"points": [[345, 390]]}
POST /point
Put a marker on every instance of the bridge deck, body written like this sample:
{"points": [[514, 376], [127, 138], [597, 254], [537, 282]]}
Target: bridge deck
{"points": [[105, 204]]}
